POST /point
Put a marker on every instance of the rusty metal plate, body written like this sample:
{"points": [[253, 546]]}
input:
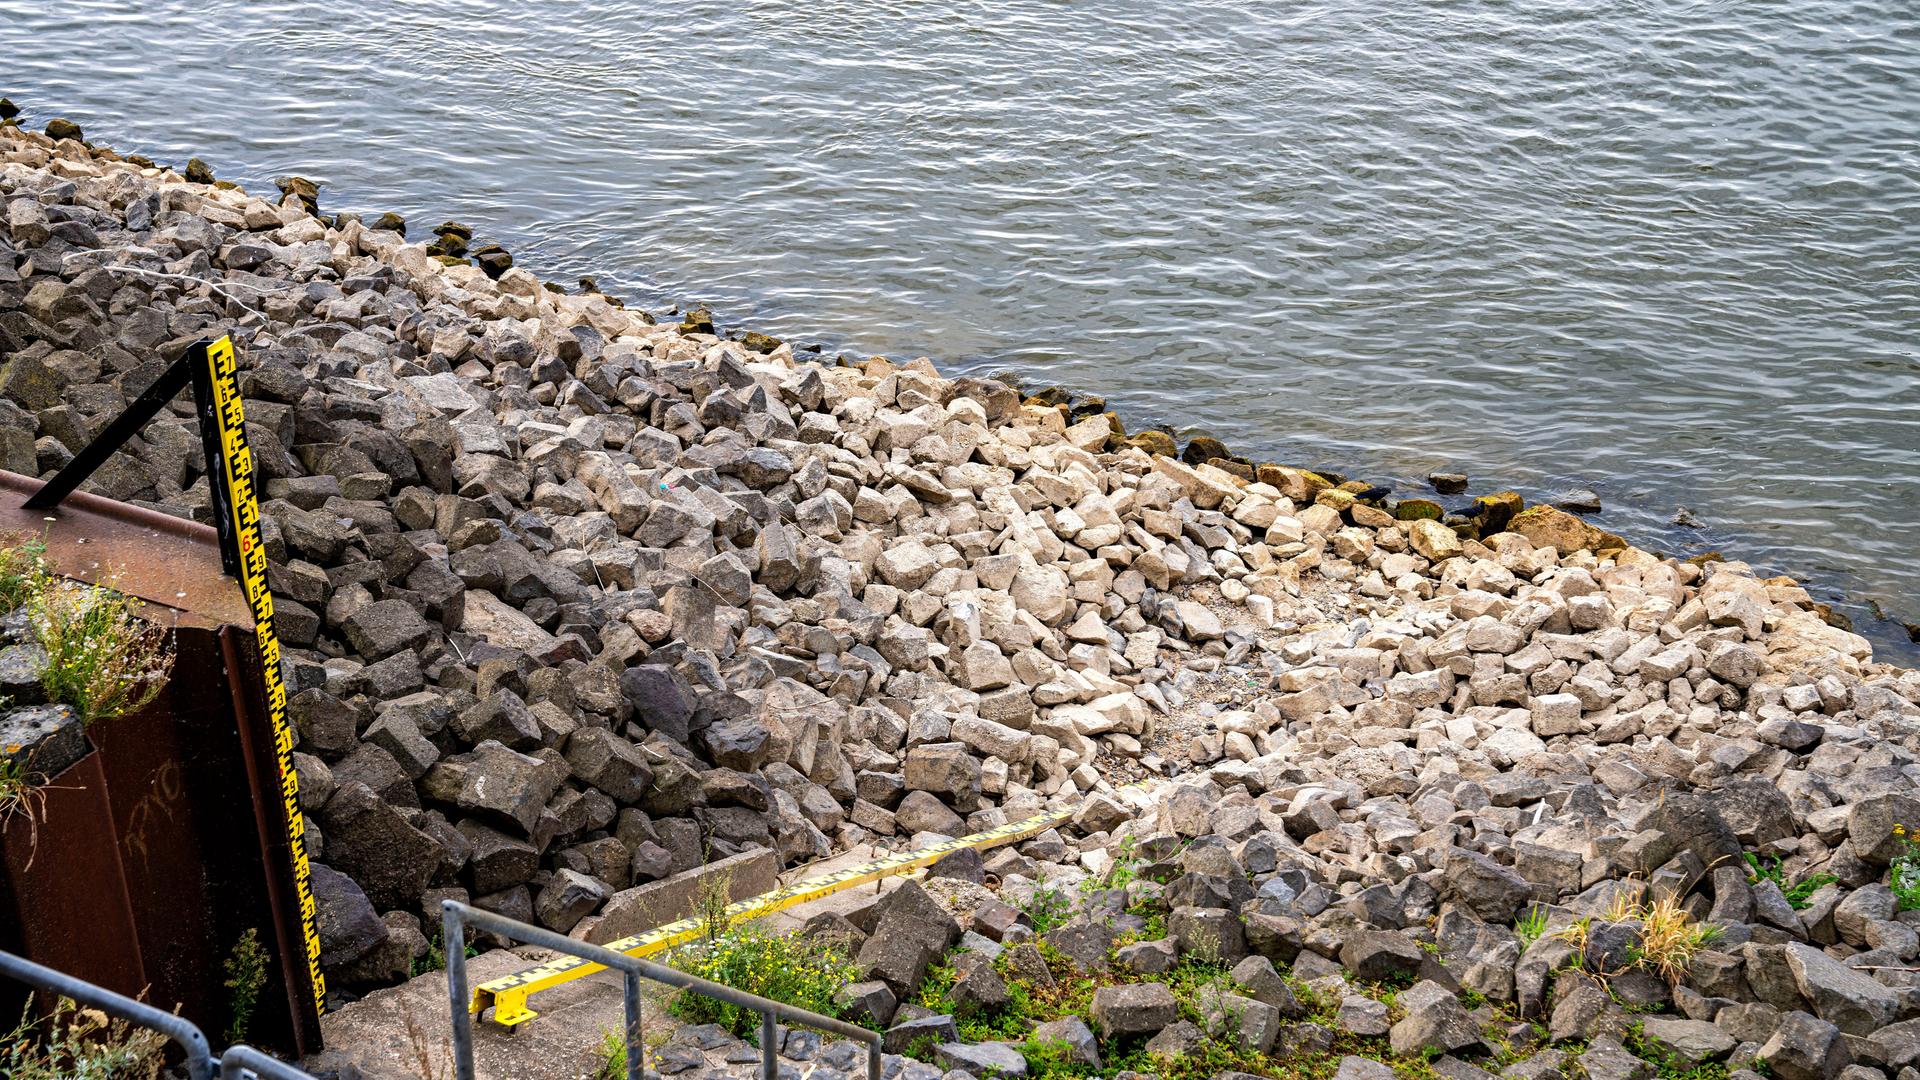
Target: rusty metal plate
{"points": [[164, 560]]}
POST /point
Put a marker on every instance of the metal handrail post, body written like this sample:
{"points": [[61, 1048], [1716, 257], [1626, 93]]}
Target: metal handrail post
{"points": [[632, 989], [199, 1056], [454, 919], [241, 1059], [453, 942]]}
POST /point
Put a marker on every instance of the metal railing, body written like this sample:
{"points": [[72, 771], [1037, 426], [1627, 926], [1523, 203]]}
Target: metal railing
{"points": [[456, 917], [237, 1063]]}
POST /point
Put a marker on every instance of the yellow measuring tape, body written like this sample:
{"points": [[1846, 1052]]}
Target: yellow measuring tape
{"points": [[238, 475], [508, 995]]}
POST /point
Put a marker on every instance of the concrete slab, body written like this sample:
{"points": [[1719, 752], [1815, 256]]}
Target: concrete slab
{"points": [[404, 1032]]}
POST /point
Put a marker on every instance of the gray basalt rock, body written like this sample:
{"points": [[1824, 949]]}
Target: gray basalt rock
{"points": [[368, 839], [1435, 1020], [1804, 1048], [1135, 1009]]}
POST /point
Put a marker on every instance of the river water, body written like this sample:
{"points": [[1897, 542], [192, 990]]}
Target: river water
{"points": [[1662, 249]]}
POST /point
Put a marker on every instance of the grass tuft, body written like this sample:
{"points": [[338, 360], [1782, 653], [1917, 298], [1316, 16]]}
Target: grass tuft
{"points": [[102, 659], [79, 1043]]}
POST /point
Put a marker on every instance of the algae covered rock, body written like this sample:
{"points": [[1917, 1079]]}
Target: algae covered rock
{"points": [[1202, 449], [1497, 510], [1546, 526]]}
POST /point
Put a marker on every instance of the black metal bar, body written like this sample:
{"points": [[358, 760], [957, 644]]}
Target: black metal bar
{"points": [[769, 1048], [199, 1057], [632, 1037], [125, 426], [453, 942], [200, 367], [242, 1062]]}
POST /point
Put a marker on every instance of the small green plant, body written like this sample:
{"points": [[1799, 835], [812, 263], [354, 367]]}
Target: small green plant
{"points": [[1048, 908], [246, 970], [1124, 871], [613, 1057], [1052, 1059], [436, 956], [710, 907], [787, 968], [1798, 893], [1903, 876], [77, 1043], [1532, 926], [102, 659]]}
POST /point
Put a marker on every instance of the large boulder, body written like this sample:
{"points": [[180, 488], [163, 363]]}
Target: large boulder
{"points": [[910, 931], [1490, 891], [344, 917], [368, 839], [508, 787]]}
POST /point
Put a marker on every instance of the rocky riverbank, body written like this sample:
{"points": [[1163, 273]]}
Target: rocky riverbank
{"points": [[574, 601]]}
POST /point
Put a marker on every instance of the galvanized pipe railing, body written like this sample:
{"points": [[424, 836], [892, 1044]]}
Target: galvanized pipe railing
{"points": [[238, 1063], [242, 1060], [199, 1057], [456, 917]]}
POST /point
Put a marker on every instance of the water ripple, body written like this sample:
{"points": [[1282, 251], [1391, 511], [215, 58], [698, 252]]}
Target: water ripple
{"points": [[1663, 250]]}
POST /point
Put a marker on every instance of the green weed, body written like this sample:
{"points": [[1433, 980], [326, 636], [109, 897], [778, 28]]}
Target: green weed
{"points": [[102, 659], [1532, 926], [1798, 893], [1048, 908], [1903, 876], [787, 968], [246, 970]]}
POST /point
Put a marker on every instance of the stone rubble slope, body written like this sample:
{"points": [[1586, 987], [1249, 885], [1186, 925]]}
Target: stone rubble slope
{"points": [[573, 602]]}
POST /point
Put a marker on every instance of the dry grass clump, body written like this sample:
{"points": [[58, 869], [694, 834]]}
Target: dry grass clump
{"points": [[1669, 938], [102, 659]]}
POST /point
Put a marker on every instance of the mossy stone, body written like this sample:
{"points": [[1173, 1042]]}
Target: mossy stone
{"points": [[1155, 442], [1238, 468], [759, 342], [1358, 488], [1114, 425], [1496, 510], [307, 191], [1204, 448], [452, 260], [8, 110], [454, 228], [1417, 509], [390, 222], [58, 128], [698, 320], [199, 172], [1051, 395], [448, 244], [1336, 498]]}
